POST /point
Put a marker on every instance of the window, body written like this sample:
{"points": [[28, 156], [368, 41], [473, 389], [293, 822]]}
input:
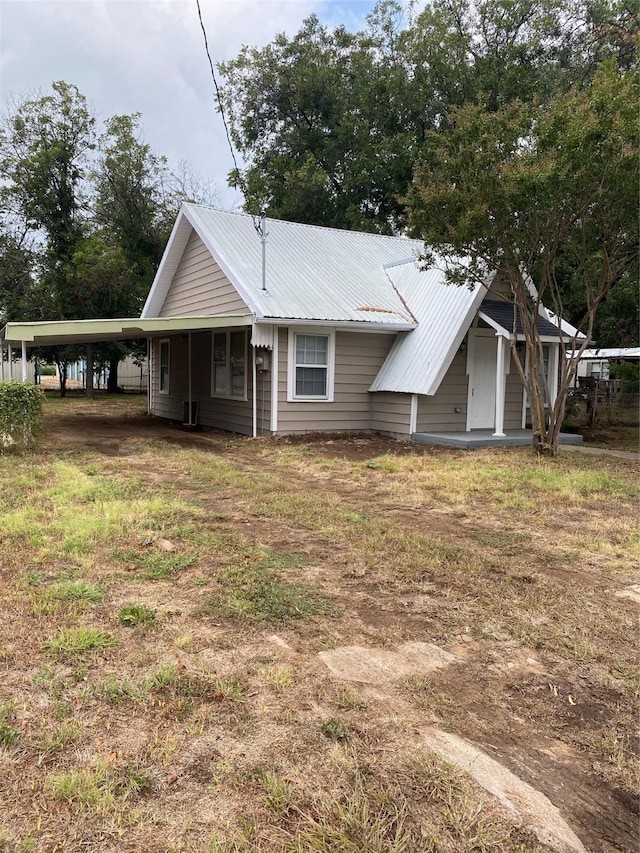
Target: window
{"points": [[164, 367], [228, 374], [311, 366]]}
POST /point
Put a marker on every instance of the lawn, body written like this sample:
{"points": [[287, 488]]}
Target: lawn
{"points": [[169, 599]]}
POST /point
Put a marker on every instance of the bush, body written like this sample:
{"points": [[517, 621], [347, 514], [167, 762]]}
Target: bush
{"points": [[20, 414], [48, 370]]}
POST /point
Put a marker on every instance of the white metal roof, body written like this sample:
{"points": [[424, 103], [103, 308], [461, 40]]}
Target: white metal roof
{"points": [[57, 332], [611, 352], [312, 273], [418, 361]]}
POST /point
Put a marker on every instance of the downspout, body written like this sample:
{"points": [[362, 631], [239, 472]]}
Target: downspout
{"points": [[254, 394], [148, 376], [189, 422]]}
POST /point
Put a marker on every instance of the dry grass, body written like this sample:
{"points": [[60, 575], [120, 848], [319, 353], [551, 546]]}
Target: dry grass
{"points": [[163, 605]]}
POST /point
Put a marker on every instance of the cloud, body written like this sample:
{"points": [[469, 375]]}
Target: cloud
{"points": [[130, 56]]}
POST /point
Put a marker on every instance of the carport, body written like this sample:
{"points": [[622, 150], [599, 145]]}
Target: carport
{"points": [[23, 336]]}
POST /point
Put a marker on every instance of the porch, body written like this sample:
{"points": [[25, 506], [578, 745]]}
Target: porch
{"points": [[485, 438]]}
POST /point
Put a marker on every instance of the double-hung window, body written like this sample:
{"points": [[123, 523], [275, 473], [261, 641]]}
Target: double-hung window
{"points": [[164, 367], [228, 370], [311, 365]]}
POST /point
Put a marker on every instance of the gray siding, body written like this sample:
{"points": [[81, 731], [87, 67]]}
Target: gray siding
{"points": [[227, 413], [499, 287], [359, 357], [513, 399], [391, 414], [263, 388], [437, 413], [199, 287]]}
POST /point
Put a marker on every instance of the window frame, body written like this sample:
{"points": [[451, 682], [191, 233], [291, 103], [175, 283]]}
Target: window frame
{"points": [[311, 331], [164, 390], [229, 367]]}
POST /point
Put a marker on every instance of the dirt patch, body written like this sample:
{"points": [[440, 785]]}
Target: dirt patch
{"points": [[542, 705], [377, 666]]}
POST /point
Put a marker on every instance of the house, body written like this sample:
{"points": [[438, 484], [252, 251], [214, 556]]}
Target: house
{"points": [[337, 330], [308, 328]]}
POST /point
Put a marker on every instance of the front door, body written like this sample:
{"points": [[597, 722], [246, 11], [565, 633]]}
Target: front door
{"points": [[482, 383]]}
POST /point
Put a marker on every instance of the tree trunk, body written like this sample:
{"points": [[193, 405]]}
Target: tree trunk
{"points": [[62, 372], [89, 377], [112, 382]]}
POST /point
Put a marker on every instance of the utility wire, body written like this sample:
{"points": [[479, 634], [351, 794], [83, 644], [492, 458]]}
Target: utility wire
{"points": [[241, 181]]}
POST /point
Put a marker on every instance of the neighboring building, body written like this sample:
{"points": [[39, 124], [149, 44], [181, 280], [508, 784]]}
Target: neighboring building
{"points": [[132, 376], [596, 362]]}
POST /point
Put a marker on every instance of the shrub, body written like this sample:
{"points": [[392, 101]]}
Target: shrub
{"points": [[20, 414]]}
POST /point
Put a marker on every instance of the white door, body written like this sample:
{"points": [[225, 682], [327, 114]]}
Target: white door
{"points": [[482, 383]]}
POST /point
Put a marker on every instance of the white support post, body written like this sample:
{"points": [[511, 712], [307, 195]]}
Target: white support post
{"points": [[10, 359], [1, 361], [500, 389], [24, 361]]}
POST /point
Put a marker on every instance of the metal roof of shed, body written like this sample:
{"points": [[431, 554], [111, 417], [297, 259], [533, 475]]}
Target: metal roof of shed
{"points": [[312, 273]]}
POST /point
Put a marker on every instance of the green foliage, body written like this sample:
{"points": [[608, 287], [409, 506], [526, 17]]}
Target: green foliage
{"points": [[20, 415], [9, 733], [542, 188], [136, 614], [71, 642]]}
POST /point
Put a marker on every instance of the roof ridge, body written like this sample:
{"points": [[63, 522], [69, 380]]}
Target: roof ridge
{"points": [[307, 224]]}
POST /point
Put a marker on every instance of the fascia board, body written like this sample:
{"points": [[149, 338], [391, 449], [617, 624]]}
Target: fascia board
{"points": [[500, 330], [361, 326]]}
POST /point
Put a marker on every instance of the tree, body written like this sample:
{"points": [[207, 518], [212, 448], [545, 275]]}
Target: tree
{"points": [[44, 148], [137, 201], [322, 121], [534, 188]]}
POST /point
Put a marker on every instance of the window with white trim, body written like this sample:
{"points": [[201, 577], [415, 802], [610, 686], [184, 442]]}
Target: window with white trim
{"points": [[311, 365], [165, 357], [229, 363]]}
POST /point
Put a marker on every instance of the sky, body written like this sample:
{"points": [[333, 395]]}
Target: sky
{"points": [[148, 56]]}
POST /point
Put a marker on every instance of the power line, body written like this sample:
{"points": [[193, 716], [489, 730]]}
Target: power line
{"points": [[241, 182]]}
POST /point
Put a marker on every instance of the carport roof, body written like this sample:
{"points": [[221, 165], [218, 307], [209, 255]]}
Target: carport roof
{"points": [[95, 331]]}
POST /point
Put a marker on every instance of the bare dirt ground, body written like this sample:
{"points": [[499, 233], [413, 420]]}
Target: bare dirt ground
{"points": [[522, 706], [536, 711]]}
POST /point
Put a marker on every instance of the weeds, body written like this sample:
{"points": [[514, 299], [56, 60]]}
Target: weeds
{"points": [[136, 614], [71, 642]]}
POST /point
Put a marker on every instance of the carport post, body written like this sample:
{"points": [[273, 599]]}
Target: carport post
{"points": [[10, 359], [24, 361], [89, 377], [1, 361]]}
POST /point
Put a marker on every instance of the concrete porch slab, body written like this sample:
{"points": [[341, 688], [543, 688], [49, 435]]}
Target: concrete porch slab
{"points": [[485, 438]]}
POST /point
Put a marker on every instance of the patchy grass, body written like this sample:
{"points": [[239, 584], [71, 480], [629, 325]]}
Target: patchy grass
{"points": [[164, 604]]}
